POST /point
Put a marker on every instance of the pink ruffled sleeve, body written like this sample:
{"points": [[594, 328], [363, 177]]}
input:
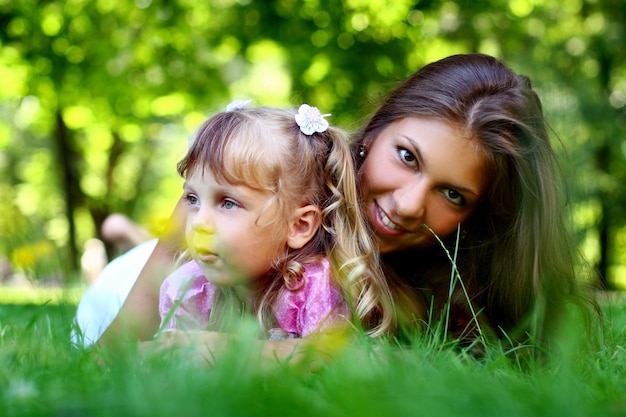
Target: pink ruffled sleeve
{"points": [[318, 304], [189, 285]]}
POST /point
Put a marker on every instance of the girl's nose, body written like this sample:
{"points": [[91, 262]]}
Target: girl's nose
{"points": [[203, 222], [201, 240], [410, 201]]}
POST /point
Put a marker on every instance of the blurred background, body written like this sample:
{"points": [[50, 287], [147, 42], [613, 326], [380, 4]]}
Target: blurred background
{"points": [[99, 97]]}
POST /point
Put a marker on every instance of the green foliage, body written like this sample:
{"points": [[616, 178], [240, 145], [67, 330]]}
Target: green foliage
{"points": [[98, 98], [42, 374]]}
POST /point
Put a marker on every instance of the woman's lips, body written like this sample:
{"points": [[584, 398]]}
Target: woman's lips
{"points": [[384, 224], [386, 220]]}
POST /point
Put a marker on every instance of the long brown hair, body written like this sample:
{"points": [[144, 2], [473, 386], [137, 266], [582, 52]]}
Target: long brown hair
{"points": [[517, 258]]}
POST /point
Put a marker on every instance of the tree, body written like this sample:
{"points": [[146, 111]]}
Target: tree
{"points": [[100, 96]]}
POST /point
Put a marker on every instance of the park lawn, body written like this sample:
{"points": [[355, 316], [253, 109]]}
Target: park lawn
{"points": [[27, 294], [41, 374]]}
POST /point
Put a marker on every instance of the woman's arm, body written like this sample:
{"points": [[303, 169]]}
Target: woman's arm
{"points": [[139, 318]]}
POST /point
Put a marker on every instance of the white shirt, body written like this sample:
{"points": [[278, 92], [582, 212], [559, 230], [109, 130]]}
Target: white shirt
{"points": [[106, 295]]}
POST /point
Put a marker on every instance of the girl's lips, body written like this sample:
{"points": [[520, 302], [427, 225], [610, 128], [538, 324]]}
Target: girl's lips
{"points": [[207, 257], [204, 254]]}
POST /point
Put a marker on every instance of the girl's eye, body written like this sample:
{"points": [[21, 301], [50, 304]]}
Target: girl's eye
{"points": [[229, 204], [407, 157], [192, 199], [454, 196]]}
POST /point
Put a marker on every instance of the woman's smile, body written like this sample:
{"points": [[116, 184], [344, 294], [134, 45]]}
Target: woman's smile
{"points": [[386, 221]]}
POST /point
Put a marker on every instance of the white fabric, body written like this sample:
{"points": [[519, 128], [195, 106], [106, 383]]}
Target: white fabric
{"points": [[105, 296]]}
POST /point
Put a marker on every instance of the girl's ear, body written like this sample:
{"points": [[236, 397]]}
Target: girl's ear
{"points": [[305, 222]]}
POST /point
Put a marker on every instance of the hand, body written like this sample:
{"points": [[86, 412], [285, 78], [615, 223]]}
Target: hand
{"points": [[198, 346], [138, 318], [172, 237], [206, 347]]}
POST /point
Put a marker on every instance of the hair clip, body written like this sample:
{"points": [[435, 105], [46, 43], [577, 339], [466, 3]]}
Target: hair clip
{"points": [[238, 105], [311, 120]]}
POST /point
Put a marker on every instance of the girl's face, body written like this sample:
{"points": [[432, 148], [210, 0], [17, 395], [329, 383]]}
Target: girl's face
{"points": [[231, 232], [420, 172]]}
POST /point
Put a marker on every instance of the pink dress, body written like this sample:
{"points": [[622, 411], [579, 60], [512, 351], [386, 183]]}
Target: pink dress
{"points": [[311, 308]]}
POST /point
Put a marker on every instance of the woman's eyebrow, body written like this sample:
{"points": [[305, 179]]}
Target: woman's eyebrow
{"points": [[463, 189], [415, 150], [423, 163]]}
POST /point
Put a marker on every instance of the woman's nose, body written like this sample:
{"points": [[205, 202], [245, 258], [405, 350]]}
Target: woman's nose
{"points": [[410, 201]]}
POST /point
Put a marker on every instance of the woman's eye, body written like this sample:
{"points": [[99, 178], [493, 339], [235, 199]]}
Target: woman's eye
{"points": [[192, 199], [229, 204], [455, 197], [407, 157]]}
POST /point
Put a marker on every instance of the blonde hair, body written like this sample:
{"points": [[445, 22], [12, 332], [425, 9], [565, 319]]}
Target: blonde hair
{"points": [[265, 149]]}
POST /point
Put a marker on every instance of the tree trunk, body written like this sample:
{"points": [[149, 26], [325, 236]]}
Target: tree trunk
{"points": [[603, 262], [67, 158]]}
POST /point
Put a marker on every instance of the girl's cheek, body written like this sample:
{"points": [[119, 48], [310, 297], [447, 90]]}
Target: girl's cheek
{"points": [[188, 232]]}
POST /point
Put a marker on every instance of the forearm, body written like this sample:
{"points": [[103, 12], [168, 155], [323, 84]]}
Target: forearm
{"points": [[139, 318], [205, 347]]}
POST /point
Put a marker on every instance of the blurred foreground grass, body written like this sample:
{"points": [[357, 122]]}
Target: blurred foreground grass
{"points": [[42, 375]]}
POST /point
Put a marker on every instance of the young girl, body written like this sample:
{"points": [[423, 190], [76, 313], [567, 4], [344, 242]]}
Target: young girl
{"points": [[272, 228]]}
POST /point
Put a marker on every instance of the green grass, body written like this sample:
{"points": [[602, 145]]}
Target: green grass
{"points": [[41, 374], [40, 295]]}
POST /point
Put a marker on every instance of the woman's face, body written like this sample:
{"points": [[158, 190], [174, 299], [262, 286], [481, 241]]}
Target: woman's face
{"points": [[421, 172]]}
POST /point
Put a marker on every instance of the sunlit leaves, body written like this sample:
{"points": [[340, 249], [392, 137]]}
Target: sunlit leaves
{"points": [[130, 132], [52, 20], [169, 105], [267, 79], [5, 139], [521, 8], [77, 117], [18, 26], [595, 24], [227, 49], [319, 68], [384, 19], [14, 73], [618, 97], [132, 78]]}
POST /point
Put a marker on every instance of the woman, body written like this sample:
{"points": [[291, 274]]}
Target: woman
{"points": [[458, 179], [463, 142]]}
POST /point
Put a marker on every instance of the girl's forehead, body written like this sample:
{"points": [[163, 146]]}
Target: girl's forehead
{"points": [[232, 175]]}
